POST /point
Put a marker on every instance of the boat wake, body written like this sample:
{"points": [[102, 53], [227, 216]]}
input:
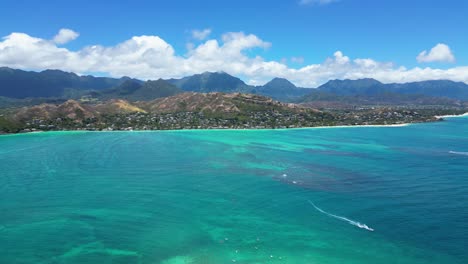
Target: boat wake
{"points": [[459, 153], [354, 223]]}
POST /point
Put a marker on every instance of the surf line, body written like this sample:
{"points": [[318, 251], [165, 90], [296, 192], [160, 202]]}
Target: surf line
{"points": [[354, 223]]}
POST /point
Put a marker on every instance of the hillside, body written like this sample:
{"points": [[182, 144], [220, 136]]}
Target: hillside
{"points": [[186, 110], [70, 109], [215, 102], [185, 102], [133, 90], [116, 106]]}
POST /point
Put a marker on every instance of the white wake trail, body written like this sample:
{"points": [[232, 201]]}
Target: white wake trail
{"points": [[459, 153], [342, 218]]}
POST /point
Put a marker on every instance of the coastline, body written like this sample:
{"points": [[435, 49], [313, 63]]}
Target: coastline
{"points": [[357, 126], [448, 116], [438, 119], [210, 129]]}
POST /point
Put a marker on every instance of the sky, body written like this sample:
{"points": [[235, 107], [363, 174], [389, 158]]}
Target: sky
{"points": [[306, 41]]}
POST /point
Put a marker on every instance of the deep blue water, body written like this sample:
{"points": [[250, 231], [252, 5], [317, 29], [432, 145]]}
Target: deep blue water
{"points": [[225, 196]]}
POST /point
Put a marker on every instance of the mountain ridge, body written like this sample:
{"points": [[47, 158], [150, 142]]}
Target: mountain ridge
{"points": [[49, 83], [368, 86], [210, 82], [66, 85]]}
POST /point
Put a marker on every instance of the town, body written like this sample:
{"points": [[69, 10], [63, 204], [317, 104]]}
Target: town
{"points": [[251, 120]]}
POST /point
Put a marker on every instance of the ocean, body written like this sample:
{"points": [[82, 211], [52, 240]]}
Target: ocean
{"points": [[318, 195]]}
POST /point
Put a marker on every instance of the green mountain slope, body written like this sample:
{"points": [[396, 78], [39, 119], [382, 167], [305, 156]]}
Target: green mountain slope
{"points": [[49, 83], [138, 91]]}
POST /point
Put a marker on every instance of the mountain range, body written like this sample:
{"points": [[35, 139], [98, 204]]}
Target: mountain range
{"points": [[211, 82], [278, 88], [56, 84], [436, 88], [49, 83]]}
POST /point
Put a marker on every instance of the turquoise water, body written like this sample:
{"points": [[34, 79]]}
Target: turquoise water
{"points": [[219, 197]]}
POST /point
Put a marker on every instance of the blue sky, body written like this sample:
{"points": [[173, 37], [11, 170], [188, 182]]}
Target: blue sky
{"points": [[298, 33]]}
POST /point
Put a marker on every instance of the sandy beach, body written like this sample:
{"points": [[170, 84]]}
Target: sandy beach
{"points": [[446, 116]]}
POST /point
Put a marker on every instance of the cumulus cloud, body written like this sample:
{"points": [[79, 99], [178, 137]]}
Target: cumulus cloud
{"points": [[439, 53], [201, 34], [151, 57], [317, 2], [65, 35]]}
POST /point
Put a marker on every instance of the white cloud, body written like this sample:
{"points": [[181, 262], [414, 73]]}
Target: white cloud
{"points": [[65, 35], [340, 58], [316, 2], [150, 57], [201, 34], [439, 53]]}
